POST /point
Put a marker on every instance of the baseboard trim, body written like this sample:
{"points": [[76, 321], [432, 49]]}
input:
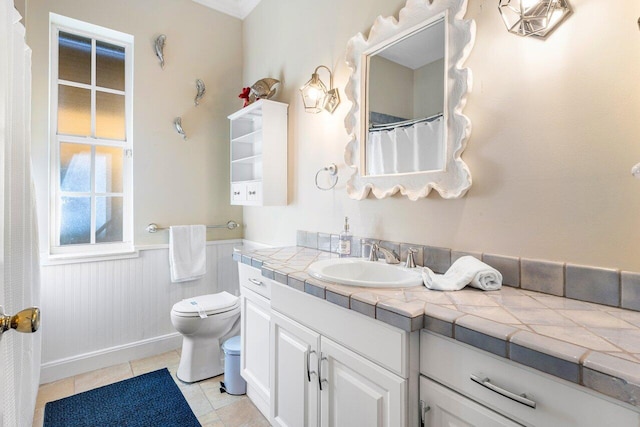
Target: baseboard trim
{"points": [[258, 401], [87, 362]]}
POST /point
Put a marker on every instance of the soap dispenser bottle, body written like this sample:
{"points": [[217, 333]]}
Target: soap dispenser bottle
{"points": [[344, 246]]}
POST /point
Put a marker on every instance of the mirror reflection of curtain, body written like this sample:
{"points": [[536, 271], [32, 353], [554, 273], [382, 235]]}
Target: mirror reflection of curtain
{"points": [[406, 149]]}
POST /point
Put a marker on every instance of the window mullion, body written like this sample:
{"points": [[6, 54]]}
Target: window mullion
{"points": [[93, 147], [93, 194]]}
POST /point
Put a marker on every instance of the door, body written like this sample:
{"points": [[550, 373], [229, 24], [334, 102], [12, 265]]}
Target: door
{"points": [[19, 265], [357, 392], [294, 378], [255, 326], [445, 408]]}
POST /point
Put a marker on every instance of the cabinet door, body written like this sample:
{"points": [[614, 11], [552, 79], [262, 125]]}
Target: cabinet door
{"points": [[356, 392], [294, 379], [238, 193], [446, 408], [254, 192], [255, 327]]}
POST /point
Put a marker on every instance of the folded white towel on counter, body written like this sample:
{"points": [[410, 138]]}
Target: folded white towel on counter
{"points": [[466, 270], [187, 252]]}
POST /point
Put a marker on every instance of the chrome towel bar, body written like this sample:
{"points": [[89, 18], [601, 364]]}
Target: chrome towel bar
{"points": [[153, 227]]}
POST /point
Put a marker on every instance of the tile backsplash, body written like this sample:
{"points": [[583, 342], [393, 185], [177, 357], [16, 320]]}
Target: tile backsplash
{"points": [[585, 283]]}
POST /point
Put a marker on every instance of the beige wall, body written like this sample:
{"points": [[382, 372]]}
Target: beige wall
{"points": [[429, 80], [390, 88], [556, 129], [175, 182], [21, 8]]}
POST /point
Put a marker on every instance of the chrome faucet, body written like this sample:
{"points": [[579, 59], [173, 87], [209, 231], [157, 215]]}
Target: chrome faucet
{"points": [[411, 262], [390, 257], [373, 254]]}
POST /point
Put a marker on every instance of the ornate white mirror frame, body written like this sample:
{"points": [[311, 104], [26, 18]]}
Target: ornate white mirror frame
{"points": [[454, 179]]}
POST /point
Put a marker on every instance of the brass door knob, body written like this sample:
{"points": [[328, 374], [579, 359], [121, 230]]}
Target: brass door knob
{"points": [[27, 320]]}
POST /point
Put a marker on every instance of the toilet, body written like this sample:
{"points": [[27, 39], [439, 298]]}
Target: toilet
{"points": [[205, 322]]}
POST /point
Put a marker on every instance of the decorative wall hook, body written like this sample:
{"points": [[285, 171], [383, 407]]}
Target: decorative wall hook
{"points": [[177, 123], [200, 90], [159, 48]]}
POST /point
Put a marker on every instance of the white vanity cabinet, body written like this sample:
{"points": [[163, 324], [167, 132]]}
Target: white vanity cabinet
{"points": [[259, 154], [334, 367], [255, 325], [448, 408], [450, 396], [294, 373]]}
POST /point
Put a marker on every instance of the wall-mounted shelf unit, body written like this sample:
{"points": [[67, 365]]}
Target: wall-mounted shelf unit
{"points": [[259, 154]]}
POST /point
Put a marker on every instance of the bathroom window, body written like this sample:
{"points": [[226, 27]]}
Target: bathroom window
{"points": [[91, 139]]}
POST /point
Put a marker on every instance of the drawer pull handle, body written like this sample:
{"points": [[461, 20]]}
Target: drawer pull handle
{"points": [[320, 380], [309, 371], [520, 398], [256, 282]]}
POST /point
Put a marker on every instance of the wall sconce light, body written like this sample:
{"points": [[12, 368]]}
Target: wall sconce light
{"points": [[536, 18], [315, 95]]}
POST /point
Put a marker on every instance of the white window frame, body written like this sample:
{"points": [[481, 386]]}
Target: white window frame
{"points": [[68, 25]]}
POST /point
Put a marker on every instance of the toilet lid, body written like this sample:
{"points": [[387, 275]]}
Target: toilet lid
{"points": [[210, 304]]}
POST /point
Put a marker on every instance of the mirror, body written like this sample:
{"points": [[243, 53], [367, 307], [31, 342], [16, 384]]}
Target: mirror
{"points": [[408, 89], [405, 90]]}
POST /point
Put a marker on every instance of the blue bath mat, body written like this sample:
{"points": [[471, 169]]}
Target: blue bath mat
{"points": [[151, 399]]}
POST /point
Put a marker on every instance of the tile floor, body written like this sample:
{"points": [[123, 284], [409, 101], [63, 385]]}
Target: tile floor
{"points": [[213, 409]]}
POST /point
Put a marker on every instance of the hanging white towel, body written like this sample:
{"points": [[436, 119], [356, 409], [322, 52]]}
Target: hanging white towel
{"points": [[187, 252], [466, 270]]}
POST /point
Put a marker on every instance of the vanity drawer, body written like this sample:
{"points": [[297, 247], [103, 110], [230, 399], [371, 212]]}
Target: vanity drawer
{"points": [[379, 342], [558, 402], [251, 278]]}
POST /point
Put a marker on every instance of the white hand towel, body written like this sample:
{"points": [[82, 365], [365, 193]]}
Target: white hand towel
{"points": [[187, 252], [466, 270]]}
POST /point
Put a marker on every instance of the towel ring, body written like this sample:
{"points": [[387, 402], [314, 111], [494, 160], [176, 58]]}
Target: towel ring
{"points": [[333, 171]]}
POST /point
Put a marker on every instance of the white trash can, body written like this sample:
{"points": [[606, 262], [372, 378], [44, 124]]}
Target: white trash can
{"points": [[233, 381]]}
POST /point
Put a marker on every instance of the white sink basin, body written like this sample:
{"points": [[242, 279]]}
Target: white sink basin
{"points": [[360, 272]]}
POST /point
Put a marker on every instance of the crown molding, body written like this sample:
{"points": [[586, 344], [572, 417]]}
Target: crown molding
{"points": [[236, 8]]}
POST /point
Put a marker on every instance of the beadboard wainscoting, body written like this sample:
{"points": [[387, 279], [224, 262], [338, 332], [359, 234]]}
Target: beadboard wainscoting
{"points": [[98, 314]]}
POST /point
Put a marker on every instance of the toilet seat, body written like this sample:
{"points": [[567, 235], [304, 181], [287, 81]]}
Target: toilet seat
{"points": [[211, 304]]}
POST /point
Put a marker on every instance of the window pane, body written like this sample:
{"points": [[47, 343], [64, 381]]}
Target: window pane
{"points": [[109, 169], [74, 58], [110, 116], [74, 111], [75, 221], [108, 219], [109, 66], [75, 167]]}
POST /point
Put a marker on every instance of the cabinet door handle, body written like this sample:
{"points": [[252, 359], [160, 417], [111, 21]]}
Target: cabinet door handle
{"points": [[256, 282], [520, 398], [309, 372], [424, 408], [320, 380]]}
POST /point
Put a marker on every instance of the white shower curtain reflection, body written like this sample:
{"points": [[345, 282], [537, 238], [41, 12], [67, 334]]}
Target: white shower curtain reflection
{"points": [[413, 148]]}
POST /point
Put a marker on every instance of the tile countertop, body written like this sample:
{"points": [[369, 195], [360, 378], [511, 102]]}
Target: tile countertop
{"points": [[593, 345]]}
